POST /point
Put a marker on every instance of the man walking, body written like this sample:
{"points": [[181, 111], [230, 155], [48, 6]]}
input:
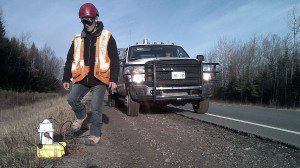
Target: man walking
{"points": [[92, 65]]}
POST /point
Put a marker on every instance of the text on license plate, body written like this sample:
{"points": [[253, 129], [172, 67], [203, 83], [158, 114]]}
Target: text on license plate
{"points": [[178, 75]]}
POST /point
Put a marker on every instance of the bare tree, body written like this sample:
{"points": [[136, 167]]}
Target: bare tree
{"points": [[294, 25]]}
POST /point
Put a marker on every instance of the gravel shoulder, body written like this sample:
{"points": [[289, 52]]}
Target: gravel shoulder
{"points": [[160, 138]]}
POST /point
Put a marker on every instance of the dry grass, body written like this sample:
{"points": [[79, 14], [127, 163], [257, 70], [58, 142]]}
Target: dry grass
{"points": [[21, 122], [10, 99]]}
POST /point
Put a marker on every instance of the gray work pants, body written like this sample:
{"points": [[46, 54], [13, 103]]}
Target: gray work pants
{"points": [[77, 93]]}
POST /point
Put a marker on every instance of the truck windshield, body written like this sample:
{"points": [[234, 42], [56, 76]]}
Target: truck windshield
{"points": [[156, 51]]}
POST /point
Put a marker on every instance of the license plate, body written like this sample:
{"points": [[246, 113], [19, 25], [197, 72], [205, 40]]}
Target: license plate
{"points": [[178, 75]]}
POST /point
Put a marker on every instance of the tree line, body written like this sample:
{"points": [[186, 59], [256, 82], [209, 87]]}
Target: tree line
{"points": [[263, 69], [24, 67]]}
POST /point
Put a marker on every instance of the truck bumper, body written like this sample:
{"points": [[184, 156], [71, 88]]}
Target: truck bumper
{"points": [[144, 93]]}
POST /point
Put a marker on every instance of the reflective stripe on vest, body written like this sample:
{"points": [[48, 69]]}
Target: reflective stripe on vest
{"points": [[101, 51], [102, 61]]}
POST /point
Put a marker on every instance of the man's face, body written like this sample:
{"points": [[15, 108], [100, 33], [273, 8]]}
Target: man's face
{"points": [[168, 54], [89, 23]]}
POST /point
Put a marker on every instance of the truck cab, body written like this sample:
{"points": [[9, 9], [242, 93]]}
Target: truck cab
{"points": [[161, 74]]}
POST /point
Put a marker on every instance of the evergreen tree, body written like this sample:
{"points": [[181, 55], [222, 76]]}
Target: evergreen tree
{"points": [[5, 70], [2, 29]]}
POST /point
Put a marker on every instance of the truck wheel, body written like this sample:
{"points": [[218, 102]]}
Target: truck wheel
{"points": [[133, 108], [111, 101], [201, 107], [114, 101]]}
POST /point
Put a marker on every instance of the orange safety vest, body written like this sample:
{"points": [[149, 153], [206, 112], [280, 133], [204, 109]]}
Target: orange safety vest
{"points": [[102, 61]]}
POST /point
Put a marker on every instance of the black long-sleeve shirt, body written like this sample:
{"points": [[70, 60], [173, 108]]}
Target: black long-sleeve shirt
{"points": [[89, 58]]}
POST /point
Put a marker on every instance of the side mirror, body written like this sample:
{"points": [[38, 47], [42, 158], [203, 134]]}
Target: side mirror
{"points": [[200, 57]]}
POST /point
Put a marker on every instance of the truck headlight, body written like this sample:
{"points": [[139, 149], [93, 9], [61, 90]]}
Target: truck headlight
{"points": [[206, 76], [135, 74], [138, 70], [206, 68], [134, 70], [138, 78]]}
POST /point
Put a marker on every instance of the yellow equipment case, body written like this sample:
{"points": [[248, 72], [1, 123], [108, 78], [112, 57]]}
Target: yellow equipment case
{"points": [[57, 149]]}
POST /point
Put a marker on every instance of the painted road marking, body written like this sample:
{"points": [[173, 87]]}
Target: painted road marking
{"points": [[261, 125]]}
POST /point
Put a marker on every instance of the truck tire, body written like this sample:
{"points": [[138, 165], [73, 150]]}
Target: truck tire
{"points": [[133, 108], [111, 100], [201, 107], [114, 101]]}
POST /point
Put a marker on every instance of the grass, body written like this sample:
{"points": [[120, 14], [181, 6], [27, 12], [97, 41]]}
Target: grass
{"points": [[21, 121], [10, 99]]}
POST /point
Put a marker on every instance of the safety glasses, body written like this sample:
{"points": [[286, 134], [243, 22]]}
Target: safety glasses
{"points": [[88, 21]]}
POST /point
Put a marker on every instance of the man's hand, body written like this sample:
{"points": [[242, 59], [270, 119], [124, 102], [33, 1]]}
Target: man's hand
{"points": [[112, 85], [66, 85]]}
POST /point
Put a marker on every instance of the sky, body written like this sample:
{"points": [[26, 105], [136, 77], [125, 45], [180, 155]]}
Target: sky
{"points": [[196, 25]]}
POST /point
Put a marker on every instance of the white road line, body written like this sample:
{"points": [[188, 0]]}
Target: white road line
{"points": [[261, 125]]}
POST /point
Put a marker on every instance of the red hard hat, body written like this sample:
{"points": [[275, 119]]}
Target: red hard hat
{"points": [[88, 10]]}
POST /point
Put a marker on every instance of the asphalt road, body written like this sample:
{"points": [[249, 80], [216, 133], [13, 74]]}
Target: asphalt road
{"points": [[276, 124], [161, 138]]}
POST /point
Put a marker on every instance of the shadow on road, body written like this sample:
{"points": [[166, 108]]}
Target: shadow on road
{"points": [[148, 109], [105, 119]]}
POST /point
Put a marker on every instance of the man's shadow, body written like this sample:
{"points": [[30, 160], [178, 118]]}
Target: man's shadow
{"points": [[146, 108], [87, 123]]}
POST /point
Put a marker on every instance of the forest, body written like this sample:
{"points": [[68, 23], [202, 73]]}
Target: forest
{"points": [[24, 67], [262, 70]]}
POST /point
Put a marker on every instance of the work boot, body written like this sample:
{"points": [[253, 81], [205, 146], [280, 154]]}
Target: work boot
{"points": [[87, 122], [92, 140], [76, 125]]}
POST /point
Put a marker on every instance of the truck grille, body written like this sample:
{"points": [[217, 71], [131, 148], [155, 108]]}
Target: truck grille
{"points": [[164, 69]]}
